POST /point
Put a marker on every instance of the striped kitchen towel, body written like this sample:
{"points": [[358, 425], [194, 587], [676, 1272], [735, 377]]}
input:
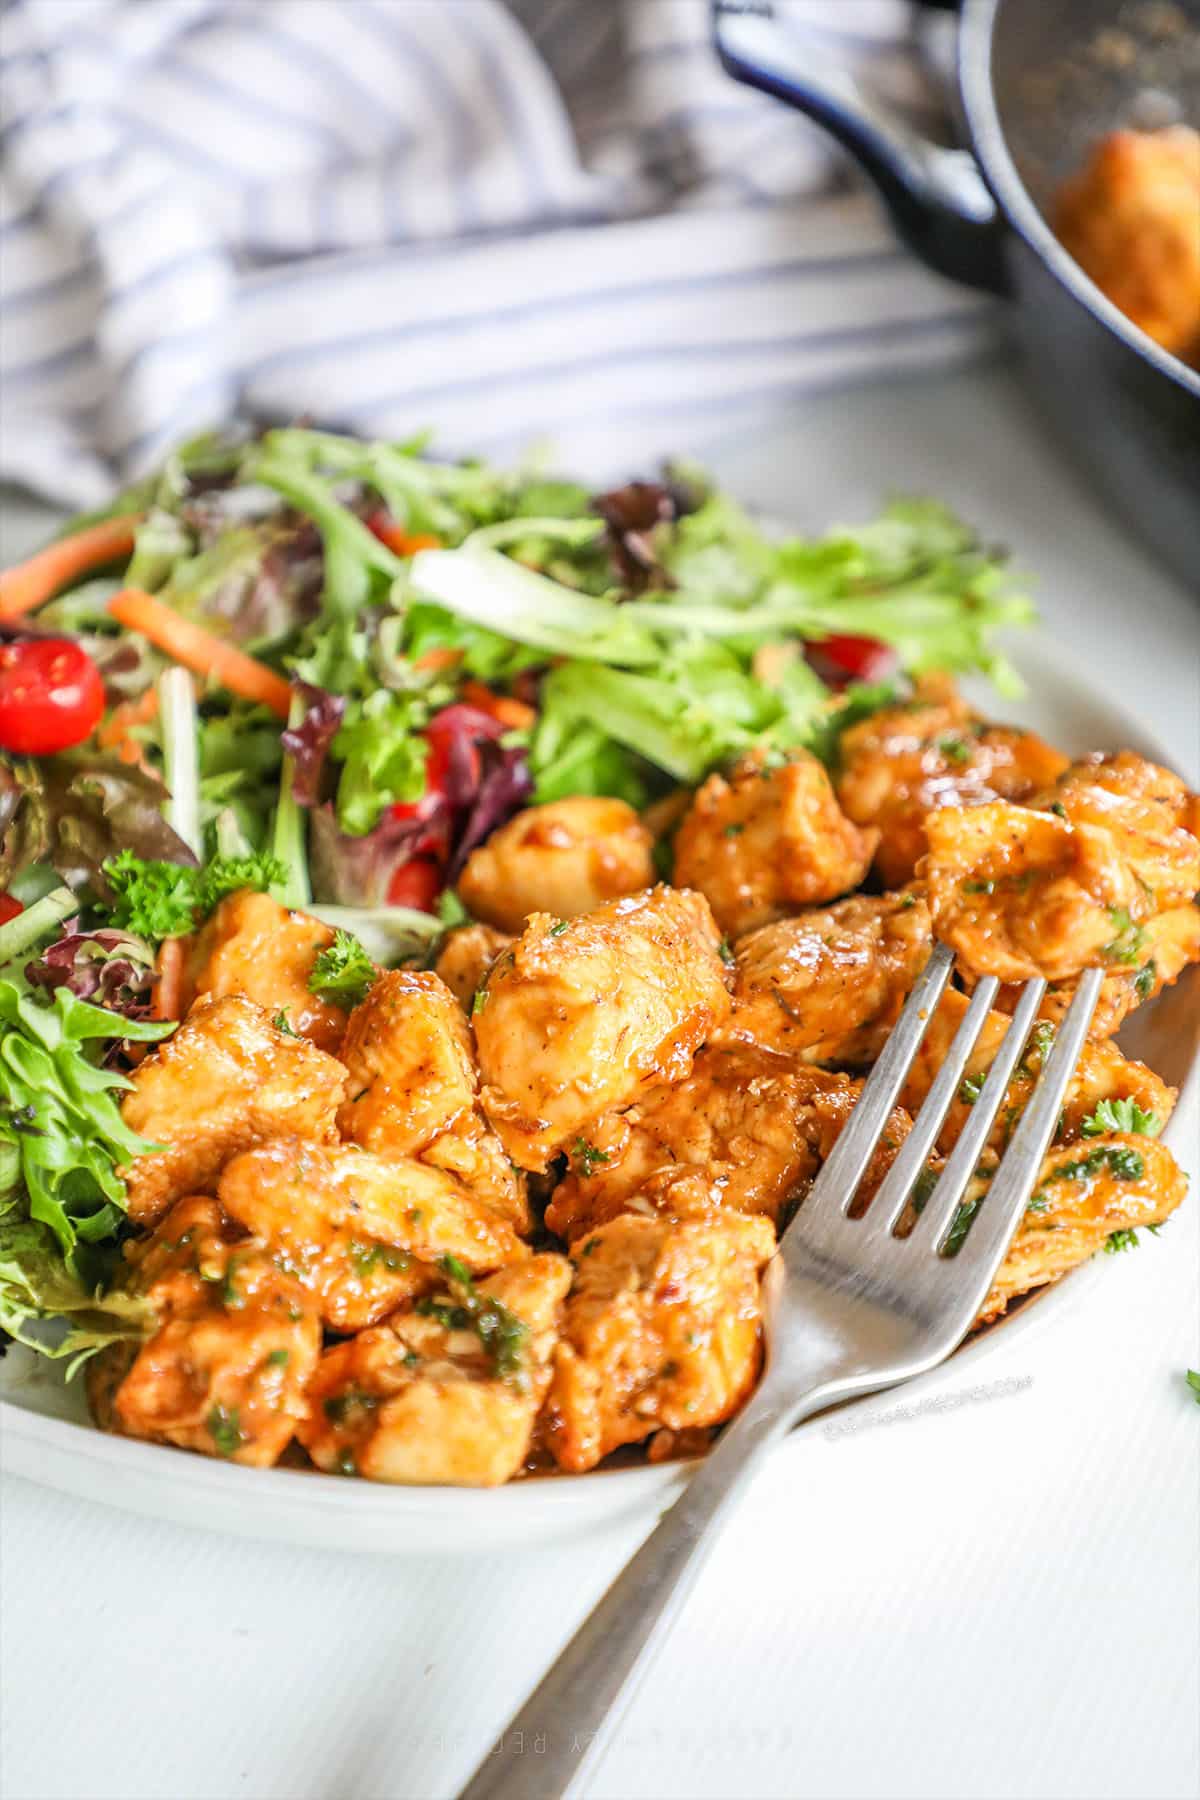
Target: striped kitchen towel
{"points": [[541, 219]]}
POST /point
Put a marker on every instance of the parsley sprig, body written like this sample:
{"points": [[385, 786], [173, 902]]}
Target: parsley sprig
{"points": [[1121, 1115], [159, 900], [343, 973]]}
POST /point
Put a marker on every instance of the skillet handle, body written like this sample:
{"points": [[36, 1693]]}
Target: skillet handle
{"points": [[937, 198]]}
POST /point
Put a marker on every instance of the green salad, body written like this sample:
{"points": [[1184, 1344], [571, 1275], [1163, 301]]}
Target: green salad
{"points": [[329, 669]]}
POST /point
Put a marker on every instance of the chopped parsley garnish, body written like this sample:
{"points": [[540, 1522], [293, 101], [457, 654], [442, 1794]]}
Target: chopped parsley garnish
{"points": [[1116, 1241], [1130, 939], [1145, 980], [978, 887], [367, 1257], [224, 1430], [279, 1359], [338, 1408], [586, 1157], [972, 1087], [1056, 806], [502, 1334], [725, 952], [1193, 1381], [1121, 1115], [1041, 1042], [956, 1237], [158, 900], [955, 749], [923, 1186], [282, 1023], [1123, 1164], [557, 929], [734, 830], [343, 973]]}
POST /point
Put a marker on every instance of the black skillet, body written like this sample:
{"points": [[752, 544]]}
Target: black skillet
{"points": [[1039, 81]]}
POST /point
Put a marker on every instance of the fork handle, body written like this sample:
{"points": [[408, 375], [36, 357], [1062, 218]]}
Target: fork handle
{"points": [[565, 1724]]}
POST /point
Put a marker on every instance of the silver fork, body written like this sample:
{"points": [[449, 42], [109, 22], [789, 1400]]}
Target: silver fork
{"points": [[851, 1308]]}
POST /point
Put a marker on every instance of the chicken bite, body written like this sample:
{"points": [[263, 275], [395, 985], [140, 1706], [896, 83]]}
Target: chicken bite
{"points": [[465, 958], [768, 839], [745, 1132], [1162, 949], [1102, 1078], [412, 1088], [662, 1329], [579, 1016], [233, 1344], [1020, 893], [1131, 220], [905, 762], [227, 1079], [1086, 1192], [253, 946], [566, 857], [828, 985], [361, 1232], [443, 1395], [409, 1066], [1149, 814]]}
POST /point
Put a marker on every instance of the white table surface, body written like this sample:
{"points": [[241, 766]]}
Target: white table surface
{"points": [[996, 1598]]}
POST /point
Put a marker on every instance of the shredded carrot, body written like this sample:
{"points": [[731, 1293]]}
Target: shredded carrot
{"points": [[168, 989], [404, 543], [116, 733], [438, 658], [198, 650], [513, 714], [40, 578]]}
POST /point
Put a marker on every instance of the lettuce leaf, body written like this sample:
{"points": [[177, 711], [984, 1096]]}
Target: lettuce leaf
{"points": [[59, 1112], [48, 1309]]}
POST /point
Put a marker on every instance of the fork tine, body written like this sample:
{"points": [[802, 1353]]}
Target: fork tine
{"points": [[946, 1197], [889, 1203], [847, 1161], [1011, 1189]]}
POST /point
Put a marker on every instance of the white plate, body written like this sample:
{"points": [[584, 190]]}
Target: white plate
{"points": [[45, 1434]]}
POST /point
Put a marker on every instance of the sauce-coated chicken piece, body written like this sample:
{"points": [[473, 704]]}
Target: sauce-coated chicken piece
{"points": [[828, 985], [1020, 893], [767, 840], [410, 1072], [421, 1399], [745, 1132], [1169, 943], [465, 958], [1147, 811], [234, 1343], [903, 763], [662, 1329], [1131, 220], [361, 1232], [227, 1079], [1102, 1074], [253, 946], [566, 857], [412, 1088], [579, 1016], [1086, 1191]]}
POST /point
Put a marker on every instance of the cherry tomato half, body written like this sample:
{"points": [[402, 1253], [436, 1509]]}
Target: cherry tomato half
{"points": [[416, 883], [51, 696], [9, 908], [842, 659]]}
